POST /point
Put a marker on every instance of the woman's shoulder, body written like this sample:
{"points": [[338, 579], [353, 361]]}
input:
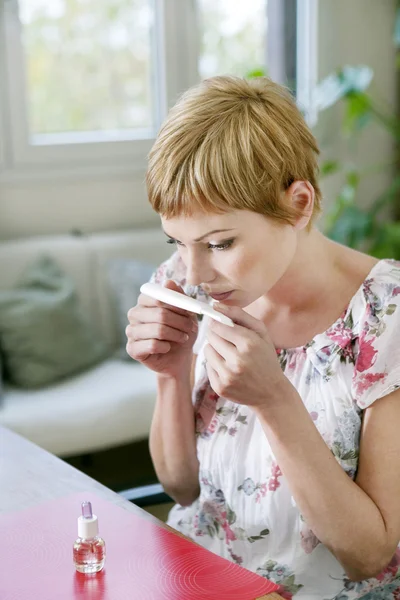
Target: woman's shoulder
{"points": [[380, 288], [383, 278], [377, 364]]}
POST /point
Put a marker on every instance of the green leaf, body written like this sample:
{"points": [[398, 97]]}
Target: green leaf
{"points": [[387, 197], [358, 112], [351, 227], [391, 309], [337, 85], [264, 532], [260, 72], [350, 455], [329, 167], [387, 241], [231, 516], [254, 538], [242, 419]]}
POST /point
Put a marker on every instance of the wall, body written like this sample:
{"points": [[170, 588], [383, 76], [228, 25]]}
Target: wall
{"points": [[352, 32], [89, 205], [358, 32]]}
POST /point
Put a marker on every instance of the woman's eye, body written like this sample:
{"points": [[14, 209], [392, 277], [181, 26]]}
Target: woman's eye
{"points": [[223, 246], [176, 242]]}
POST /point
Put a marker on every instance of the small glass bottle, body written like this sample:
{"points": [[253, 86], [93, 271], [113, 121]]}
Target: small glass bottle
{"points": [[89, 549]]}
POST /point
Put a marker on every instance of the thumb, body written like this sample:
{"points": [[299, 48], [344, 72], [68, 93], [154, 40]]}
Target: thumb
{"points": [[242, 318], [172, 285]]}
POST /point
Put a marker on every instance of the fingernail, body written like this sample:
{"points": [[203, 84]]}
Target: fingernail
{"points": [[185, 337]]}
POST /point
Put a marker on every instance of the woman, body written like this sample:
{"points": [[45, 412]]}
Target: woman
{"points": [[282, 450]]}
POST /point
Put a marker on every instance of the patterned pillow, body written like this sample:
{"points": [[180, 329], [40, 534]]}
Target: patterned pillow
{"points": [[125, 277]]}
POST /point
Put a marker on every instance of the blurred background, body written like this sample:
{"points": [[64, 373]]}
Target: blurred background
{"points": [[84, 87]]}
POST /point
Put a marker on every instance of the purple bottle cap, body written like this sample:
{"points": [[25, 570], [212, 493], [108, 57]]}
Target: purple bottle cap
{"points": [[87, 510]]}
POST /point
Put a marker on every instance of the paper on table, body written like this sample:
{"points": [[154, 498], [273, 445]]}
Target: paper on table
{"points": [[144, 561]]}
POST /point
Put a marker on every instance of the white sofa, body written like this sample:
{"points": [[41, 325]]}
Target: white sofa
{"points": [[112, 403]]}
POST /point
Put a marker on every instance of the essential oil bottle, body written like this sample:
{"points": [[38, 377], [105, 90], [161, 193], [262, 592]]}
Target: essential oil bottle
{"points": [[89, 549]]}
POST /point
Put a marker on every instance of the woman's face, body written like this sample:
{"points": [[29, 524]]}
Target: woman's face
{"points": [[237, 256]]}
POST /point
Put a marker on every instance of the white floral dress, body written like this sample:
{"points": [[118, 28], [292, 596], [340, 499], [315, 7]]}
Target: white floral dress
{"points": [[245, 511]]}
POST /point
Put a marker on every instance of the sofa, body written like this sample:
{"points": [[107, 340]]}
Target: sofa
{"points": [[111, 403]]}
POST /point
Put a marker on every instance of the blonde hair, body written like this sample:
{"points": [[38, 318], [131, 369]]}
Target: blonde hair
{"points": [[231, 143]]}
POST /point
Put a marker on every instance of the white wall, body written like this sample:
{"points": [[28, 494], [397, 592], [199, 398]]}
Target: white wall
{"points": [[358, 32], [351, 31], [89, 205]]}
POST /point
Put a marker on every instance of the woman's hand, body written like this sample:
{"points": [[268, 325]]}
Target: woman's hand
{"points": [[161, 336], [241, 361]]}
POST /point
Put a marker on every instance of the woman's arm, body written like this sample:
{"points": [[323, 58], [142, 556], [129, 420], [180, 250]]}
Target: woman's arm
{"points": [[173, 440], [359, 522]]}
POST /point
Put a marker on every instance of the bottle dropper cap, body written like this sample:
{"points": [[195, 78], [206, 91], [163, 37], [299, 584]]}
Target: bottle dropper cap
{"points": [[88, 526]]}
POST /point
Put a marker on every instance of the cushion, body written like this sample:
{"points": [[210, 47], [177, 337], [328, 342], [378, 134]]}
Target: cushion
{"points": [[43, 333], [103, 407], [125, 277]]}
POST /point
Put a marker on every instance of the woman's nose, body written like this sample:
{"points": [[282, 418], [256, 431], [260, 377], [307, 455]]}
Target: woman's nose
{"points": [[198, 272]]}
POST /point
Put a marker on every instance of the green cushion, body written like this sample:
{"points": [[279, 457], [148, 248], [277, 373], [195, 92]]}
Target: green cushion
{"points": [[44, 335]]}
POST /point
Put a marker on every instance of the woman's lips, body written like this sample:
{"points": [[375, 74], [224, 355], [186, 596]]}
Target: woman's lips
{"points": [[221, 297]]}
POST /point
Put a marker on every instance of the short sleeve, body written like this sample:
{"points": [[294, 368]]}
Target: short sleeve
{"points": [[377, 361], [174, 268]]}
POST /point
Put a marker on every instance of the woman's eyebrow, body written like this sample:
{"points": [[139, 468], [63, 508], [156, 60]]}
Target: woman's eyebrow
{"points": [[202, 236]]}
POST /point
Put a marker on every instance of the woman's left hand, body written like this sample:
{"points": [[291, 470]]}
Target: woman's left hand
{"points": [[242, 364]]}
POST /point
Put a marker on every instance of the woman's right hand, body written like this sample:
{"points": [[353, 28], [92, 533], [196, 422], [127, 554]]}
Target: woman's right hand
{"points": [[161, 336]]}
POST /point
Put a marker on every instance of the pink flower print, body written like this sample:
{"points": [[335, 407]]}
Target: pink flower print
{"points": [[392, 568], [285, 594], [262, 492], [366, 380], [229, 534], [314, 415], [274, 483], [296, 361], [396, 291], [340, 334], [237, 559], [213, 425], [366, 355], [232, 431]]}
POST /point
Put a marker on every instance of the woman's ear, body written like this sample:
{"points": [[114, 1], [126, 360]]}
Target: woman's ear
{"points": [[300, 196]]}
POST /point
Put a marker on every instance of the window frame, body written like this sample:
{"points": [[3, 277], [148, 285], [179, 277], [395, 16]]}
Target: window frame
{"points": [[306, 58], [176, 70], [122, 154]]}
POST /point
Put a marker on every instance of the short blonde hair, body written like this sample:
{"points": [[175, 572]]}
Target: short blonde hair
{"points": [[231, 143]]}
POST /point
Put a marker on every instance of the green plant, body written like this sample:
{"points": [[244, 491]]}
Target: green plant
{"points": [[375, 229]]}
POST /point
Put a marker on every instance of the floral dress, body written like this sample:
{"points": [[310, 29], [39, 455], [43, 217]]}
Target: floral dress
{"points": [[245, 511]]}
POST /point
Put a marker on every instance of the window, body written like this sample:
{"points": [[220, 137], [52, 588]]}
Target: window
{"points": [[233, 37], [88, 68], [87, 83]]}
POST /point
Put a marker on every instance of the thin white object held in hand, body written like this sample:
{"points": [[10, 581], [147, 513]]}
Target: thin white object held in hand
{"points": [[158, 292]]}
